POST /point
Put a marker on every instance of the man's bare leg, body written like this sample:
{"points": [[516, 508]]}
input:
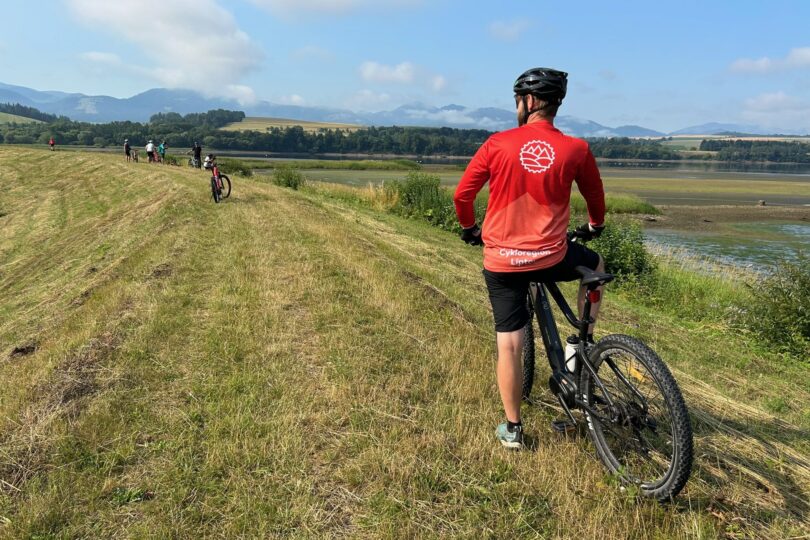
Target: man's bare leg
{"points": [[509, 371]]}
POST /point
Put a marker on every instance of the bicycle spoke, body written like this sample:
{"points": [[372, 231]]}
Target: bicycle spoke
{"points": [[638, 431]]}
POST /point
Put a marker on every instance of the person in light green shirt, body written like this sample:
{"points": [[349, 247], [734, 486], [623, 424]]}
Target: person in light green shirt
{"points": [[162, 151]]}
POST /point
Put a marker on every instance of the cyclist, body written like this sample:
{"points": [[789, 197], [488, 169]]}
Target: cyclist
{"points": [[210, 162], [150, 151], [52, 143], [127, 149], [196, 151], [161, 149], [530, 170]]}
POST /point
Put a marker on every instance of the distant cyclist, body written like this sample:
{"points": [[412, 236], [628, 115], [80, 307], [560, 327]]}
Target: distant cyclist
{"points": [[530, 170], [162, 150], [52, 144], [127, 150], [196, 151], [150, 151]]}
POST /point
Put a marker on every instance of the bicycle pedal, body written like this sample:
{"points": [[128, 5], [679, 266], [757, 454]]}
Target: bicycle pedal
{"points": [[564, 427]]}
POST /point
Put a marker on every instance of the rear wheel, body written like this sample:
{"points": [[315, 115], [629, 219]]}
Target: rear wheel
{"points": [[646, 437], [226, 186], [528, 354], [215, 190]]}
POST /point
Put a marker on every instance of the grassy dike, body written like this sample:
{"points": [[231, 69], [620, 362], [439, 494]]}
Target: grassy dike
{"points": [[294, 364]]}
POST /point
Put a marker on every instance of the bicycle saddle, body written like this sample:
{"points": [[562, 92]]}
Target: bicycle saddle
{"points": [[589, 276]]}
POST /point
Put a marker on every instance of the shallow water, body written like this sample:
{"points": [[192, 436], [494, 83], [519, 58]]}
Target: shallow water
{"points": [[757, 246]]}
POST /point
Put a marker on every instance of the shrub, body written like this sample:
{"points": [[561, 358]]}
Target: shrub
{"points": [[622, 246], [420, 196], [779, 311], [235, 166], [288, 177], [170, 159]]}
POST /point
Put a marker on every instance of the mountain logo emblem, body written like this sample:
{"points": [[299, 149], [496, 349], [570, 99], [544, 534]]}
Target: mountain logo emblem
{"points": [[537, 156]]}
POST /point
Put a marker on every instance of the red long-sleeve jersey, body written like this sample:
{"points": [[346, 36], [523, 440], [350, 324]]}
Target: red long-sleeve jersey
{"points": [[530, 170]]}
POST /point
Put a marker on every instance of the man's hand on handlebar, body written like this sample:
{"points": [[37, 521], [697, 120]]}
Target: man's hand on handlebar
{"points": [[472, 235], [587, 231]]}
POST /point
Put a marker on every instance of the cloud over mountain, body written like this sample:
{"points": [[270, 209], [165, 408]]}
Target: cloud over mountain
{"points": [[199, 57]]}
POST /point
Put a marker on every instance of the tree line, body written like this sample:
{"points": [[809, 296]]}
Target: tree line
{"points": [[742, 150], [181, 131]]}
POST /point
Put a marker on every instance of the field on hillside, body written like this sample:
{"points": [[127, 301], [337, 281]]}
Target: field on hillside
{"points": [[293, 364], [6, 118], [686, 142], [255, 123]]}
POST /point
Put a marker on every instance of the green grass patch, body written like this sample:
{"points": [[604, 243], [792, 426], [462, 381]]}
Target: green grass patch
{"points": [[617, 204], [6, 118]]}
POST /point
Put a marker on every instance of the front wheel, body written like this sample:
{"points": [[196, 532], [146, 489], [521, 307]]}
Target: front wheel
{"points": [[226, 186], [215, 192], [645, 437]]}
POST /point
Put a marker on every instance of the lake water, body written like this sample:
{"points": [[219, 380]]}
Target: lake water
{"points": [[753, 245]]}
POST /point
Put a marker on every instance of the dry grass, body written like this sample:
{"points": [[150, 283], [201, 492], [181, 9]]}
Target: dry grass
{"points": [[292, 364], [255, 123]]}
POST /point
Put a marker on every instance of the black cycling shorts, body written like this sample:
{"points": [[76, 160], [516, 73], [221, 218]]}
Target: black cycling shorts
{"points": [[508, 290]]}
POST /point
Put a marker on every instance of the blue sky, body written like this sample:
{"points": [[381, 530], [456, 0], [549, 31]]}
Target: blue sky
{"points": [[663, 66]]}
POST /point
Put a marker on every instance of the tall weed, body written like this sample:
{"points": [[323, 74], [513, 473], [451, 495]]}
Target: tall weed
{"points": [[779, 310]]}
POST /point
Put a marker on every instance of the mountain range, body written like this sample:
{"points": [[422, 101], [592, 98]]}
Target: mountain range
{"points": [[140, 107]]}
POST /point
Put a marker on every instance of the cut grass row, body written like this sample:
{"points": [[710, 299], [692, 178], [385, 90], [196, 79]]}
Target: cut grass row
{"points": [[295, 364]]}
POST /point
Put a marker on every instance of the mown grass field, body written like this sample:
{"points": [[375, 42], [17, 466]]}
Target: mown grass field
{"points": [[256, 123], [6, 118], [292, 364]]}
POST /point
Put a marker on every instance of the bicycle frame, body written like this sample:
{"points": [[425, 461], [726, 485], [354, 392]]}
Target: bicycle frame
{"points": [[215, 173], [563, 384]]}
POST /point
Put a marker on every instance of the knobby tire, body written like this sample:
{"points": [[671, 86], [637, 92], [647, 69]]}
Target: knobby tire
{"points": [[650, 448]]}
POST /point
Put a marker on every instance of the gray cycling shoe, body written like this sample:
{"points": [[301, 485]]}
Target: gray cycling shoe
{"points": [[510, 439]]}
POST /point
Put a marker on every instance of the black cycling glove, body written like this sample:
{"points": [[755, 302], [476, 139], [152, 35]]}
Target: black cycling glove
{"points": [[587, 231], [472, 235]]}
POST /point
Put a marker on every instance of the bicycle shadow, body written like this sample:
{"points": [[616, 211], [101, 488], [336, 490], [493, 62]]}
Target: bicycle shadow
{"points": [[750, 469], [749, 466]]}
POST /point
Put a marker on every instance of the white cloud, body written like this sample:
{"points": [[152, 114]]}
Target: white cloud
{"points": [[292, 99], [368, 100], [438, 83], [778, 110], [194, 44], [456, 117], [329, 7], [101, 58], [401, 73], [798, 58], [405, 73], [508, 31]]}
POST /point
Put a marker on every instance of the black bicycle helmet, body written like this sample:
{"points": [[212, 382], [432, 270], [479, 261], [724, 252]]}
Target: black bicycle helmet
{"points": [[545, 83]]}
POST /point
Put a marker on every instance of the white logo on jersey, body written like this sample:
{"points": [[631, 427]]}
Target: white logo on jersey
{"points": [[536, 156]]}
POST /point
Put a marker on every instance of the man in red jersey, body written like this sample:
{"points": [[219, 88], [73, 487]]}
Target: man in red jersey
{"points": [[530, 170]]}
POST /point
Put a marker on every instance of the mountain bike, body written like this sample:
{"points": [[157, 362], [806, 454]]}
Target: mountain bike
{"points": [[220, 183], [194, 162], [634, 410]]}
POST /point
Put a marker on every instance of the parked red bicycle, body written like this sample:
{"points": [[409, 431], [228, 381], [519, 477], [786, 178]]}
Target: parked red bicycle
{"points": [[220, 183]]}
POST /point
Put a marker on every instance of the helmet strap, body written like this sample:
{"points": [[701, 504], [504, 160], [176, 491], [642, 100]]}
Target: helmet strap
{"points": [[526, 112]]}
